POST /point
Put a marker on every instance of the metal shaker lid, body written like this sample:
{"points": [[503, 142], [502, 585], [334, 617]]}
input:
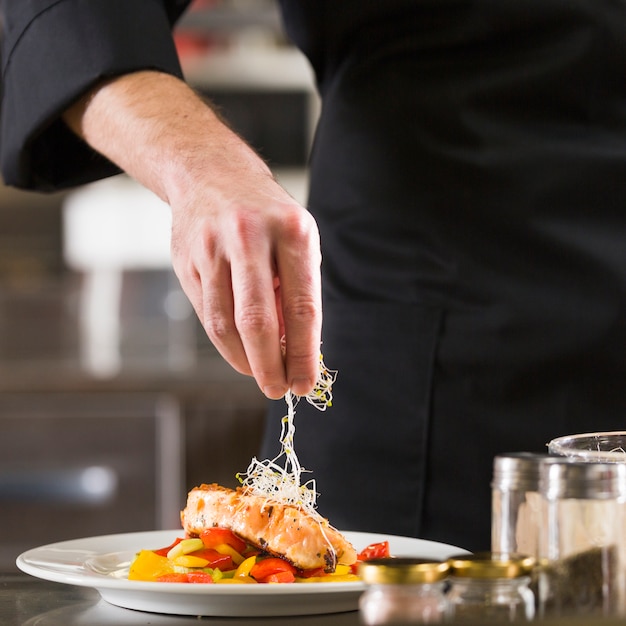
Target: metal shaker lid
{"points": [[578, 479], [519, 470]]}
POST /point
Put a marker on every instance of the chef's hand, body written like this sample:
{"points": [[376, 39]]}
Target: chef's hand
{"points": [[245, 252]]}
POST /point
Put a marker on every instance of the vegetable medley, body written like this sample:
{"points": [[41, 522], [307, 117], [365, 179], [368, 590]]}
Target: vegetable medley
{"points": [[219, 556]]}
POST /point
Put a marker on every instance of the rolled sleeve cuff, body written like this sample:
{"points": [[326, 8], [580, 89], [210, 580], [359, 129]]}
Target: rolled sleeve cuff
{"points": [[56, 58]]}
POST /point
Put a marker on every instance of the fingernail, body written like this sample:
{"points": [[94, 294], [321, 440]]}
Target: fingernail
{"points": [[301, 386], [274, 391]]}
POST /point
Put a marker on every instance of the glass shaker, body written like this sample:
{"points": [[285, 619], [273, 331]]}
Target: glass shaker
{"points": [[490, 588], [403, 590], [516, 503], [582, 544]]}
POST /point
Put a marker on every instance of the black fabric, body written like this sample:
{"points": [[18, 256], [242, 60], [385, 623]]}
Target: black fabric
{"points": [[470, 159], [52, 52]]}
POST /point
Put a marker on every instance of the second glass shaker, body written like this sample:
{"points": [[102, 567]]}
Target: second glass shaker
{"points": [[490, 588], [516, 503], [583, 560]]}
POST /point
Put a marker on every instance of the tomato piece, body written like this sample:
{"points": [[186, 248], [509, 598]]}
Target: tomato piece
{"points": [[280, 577], [212, 537], [269, 566], [378, 550], [164, 551], [215, 559], [199, 577], [173, 578]]}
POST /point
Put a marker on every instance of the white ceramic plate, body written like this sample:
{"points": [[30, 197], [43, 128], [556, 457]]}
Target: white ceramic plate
{"points": [[102, 563]]}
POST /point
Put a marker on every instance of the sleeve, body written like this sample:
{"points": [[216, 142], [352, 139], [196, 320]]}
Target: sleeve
{"points": [[52, 52]]}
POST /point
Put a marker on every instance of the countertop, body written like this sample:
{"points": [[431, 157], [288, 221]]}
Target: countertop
{"points": [[28, 601]]}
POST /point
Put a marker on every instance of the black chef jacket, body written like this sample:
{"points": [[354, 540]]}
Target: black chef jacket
{"points": [[469, 180]]}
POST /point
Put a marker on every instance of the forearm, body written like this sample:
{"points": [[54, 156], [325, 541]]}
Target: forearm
{"points": [[154, 127]]}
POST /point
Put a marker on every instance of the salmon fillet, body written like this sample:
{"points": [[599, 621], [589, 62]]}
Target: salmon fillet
{"points": [[286, 531]]}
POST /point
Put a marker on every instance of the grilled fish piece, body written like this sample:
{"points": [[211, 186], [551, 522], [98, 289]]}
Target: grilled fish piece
{"points": [[305, 540]]}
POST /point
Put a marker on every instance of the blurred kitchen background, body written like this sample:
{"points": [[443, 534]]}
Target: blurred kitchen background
{"points": [[113, 403]]}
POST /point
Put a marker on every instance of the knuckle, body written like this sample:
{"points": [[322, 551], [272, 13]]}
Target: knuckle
{"points": [[187, 273], [218, 327], [303, 362], [246, 228], [299, 225], [301, 308], [253, 321]]}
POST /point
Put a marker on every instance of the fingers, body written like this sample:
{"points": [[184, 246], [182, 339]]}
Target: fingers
{"points": [[255, 314], [217, 316], [276, 291], [252, 279], [298, 262], [205, 277]]}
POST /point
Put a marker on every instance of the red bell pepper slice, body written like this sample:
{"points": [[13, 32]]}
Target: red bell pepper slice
{"points": [[164, 551], [280, 577], [213, 537], [199, 577], [173, 578], [223, 562], [311, 573], [189, 577], [270, 566]]}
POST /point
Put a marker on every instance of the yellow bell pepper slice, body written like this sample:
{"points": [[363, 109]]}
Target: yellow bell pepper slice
{"points": [[224, 548], [243, 569], [188, 560], [239, 580], [342, 574], [148, 566], [331, 578]]}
